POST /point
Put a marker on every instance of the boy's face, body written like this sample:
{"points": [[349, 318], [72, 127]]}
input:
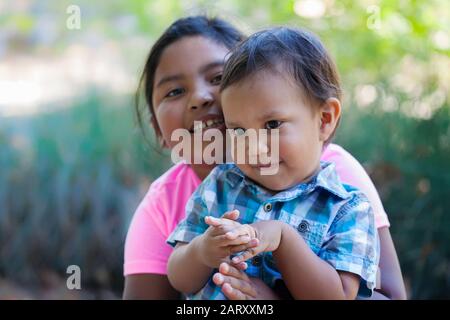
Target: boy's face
{"points": [[269, 100]]}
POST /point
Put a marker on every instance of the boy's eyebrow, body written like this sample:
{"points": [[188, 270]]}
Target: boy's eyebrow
{"points": [[270, 115], [203, 69]]}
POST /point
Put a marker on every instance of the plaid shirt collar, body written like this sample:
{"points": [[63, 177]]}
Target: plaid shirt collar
{"points": [[326, 178]]}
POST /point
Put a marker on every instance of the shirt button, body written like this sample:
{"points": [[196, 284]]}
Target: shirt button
{"points": [[303, 226], [256, 261], [267, 207]]}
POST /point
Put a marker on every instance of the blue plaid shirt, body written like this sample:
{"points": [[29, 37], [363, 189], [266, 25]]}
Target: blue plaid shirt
{"points": [[334, 219]]}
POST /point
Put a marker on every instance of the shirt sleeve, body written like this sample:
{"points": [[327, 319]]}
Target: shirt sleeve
{"points": [[197, 208], [352, 243], [146, 250], [352, 172]]}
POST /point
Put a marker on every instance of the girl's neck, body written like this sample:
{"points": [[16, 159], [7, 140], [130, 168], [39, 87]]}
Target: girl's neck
{"points": [[202, 170]]}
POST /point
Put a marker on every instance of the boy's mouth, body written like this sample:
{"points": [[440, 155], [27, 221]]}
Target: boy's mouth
{"points": [[207, 123], [268, 165]]}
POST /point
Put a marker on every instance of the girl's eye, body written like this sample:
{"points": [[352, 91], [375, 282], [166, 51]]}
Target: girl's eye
{"points": [[175, 92], [239, 131], [216, 80]]}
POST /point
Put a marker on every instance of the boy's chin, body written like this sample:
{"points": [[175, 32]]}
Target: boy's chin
{"points": [[274, 183], [276, 186]]}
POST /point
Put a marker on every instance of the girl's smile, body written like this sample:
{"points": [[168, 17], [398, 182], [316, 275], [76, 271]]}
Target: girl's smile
{"points": [[207, 122]]}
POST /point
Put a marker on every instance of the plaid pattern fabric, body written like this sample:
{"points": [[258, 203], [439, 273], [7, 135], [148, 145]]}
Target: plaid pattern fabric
{"points": [[334, 219]]}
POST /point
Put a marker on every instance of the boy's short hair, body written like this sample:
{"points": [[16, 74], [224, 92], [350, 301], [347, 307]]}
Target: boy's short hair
{"points": [[298, 51]]}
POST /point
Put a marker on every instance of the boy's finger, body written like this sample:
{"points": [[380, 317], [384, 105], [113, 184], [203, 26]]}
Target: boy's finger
{"points": [[243, 247], [217, 222], [220, 233], [212, 221], [232, 215], [241, 240], [241, 230], [247, 254]]}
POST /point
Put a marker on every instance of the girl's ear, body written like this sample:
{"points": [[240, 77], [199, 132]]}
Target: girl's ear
{"points": [[154, 123], [330, 112]]}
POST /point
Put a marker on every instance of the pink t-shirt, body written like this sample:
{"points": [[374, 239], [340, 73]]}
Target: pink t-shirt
{"points": [[146, 250]]}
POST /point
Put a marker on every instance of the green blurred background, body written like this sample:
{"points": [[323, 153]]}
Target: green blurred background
{"points": [[73, 164]]}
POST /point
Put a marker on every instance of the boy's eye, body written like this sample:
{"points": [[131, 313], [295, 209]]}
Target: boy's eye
{"points": [[272, 124], [239, 131], [216, 80], [174, 92]]}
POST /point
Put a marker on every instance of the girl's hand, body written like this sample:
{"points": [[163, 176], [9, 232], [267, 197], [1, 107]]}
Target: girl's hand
{"points": [[236, 285], [268, 234], [216, 245]]}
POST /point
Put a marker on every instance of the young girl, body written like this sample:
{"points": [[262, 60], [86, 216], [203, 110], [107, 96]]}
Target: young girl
{"points": [[181, 83]]}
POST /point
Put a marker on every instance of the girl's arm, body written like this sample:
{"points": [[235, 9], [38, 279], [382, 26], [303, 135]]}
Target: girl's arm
{"points": [[149, 287], [146, 253], [352, 172], [392, 286]]}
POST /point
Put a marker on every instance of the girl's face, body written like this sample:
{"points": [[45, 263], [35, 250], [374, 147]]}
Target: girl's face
{"points": [[186, 89]]}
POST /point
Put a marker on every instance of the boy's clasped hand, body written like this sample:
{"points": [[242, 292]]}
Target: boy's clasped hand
{"points": [[226, 237]]}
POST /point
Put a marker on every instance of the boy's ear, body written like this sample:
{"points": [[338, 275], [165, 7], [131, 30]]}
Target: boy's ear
{"points": [[154, 123], [330, 112]]}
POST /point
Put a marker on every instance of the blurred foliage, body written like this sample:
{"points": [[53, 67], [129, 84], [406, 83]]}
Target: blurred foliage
{"points": [[408, 159], [68, 185], [70, 180]]}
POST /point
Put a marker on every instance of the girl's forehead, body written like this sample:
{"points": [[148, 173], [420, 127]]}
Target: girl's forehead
{"points": [[191, 53]]}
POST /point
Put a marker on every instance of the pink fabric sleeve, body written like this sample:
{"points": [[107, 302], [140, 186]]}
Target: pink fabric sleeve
{"points": [[146, 250], [352, 172]]}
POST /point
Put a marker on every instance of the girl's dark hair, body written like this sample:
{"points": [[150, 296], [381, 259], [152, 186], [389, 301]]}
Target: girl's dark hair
{"points": [[215, 29], [299, 52]]}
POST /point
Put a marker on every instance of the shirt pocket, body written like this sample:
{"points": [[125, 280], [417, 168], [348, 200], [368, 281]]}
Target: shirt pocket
{"points": [[313, 233]]}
